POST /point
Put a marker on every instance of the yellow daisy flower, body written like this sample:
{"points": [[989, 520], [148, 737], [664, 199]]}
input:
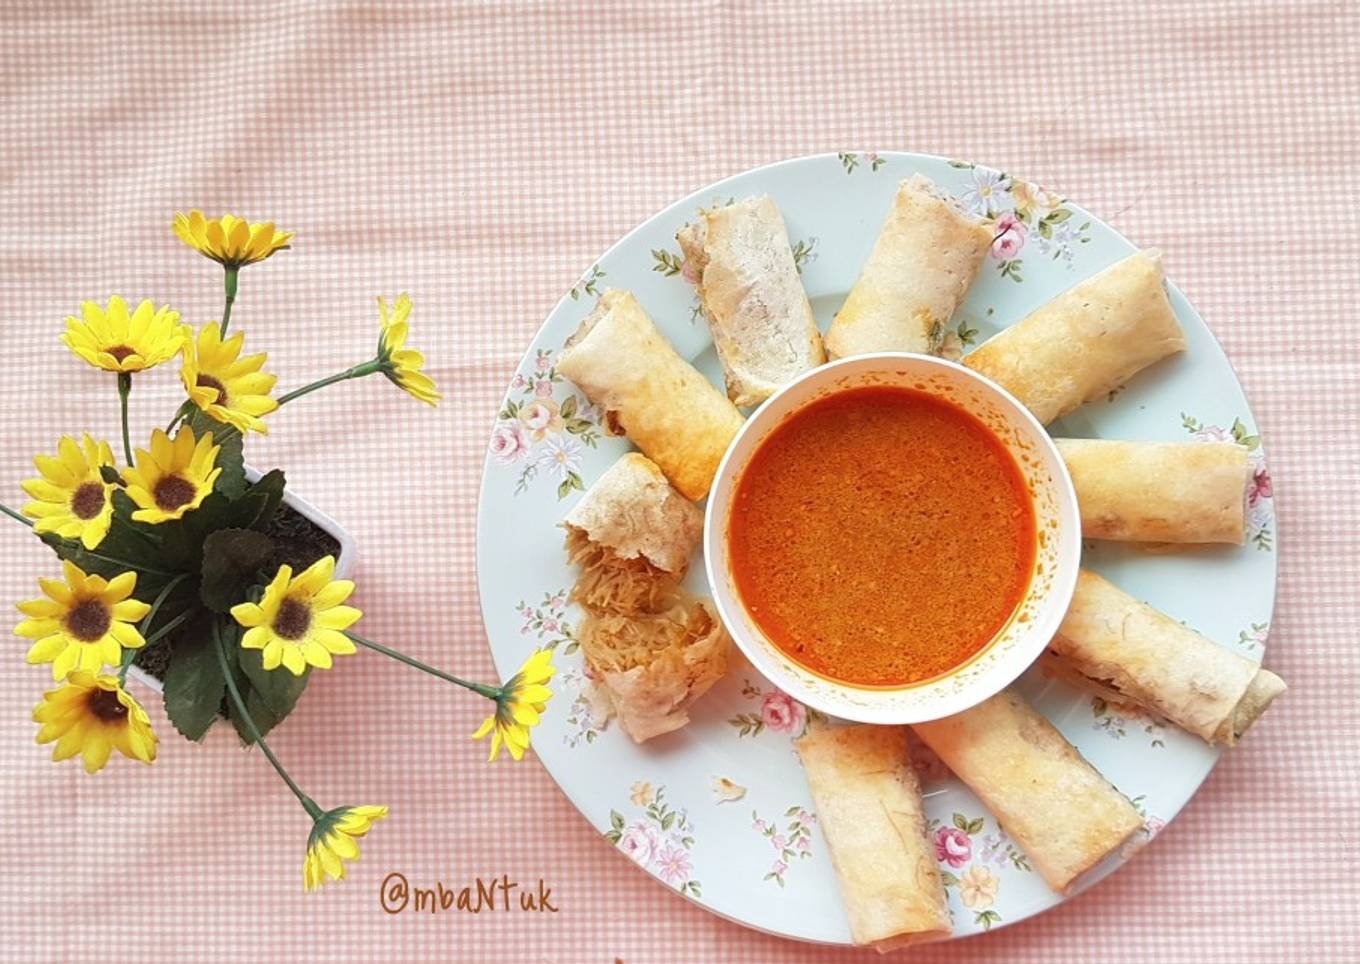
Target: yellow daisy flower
{"points": [[84, 623], [93, 715], [402, 365], [229, 240], [174, 477], [332, 841], [228, 387], [111, 339], [299, 621], [72, 499], [519, 706]]}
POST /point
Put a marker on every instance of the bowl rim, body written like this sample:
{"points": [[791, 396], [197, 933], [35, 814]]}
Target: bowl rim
{"points": [[1049, 615]]}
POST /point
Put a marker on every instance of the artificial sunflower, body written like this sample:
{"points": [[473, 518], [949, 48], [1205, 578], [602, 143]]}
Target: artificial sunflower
{"points": [[229, 240], [71, 498], [519, 706], [84, 623], [300, 620], [228, 387], [401, 365], [116, 341], [174, 477], [93, 715], [332, 841]]}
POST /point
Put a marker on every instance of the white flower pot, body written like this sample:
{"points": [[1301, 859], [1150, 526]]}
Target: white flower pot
{"points": [[344, 560]]}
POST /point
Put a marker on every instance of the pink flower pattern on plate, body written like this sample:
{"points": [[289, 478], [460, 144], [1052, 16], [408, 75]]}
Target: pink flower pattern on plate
{"points": [[782, 713], [794, 842], [953, 846], [660, 840]]}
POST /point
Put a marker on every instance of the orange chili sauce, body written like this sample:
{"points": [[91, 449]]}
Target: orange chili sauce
{"points": [[881, 536]]}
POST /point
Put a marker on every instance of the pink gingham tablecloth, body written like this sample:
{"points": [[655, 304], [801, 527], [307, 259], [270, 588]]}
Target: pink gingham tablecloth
{"points": [[479, 155]]}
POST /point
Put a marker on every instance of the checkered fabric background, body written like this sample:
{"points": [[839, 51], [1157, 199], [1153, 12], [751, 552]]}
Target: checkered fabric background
{"points": [[480, 155]]}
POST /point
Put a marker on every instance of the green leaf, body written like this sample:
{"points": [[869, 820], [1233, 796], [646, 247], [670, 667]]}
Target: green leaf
{"points": [[194, 684], [569, 407], [616, 819], [275, 691], [948, 879], [667, 821], [1058, 216], [110, 475], [613, 836], [267, 494], [975, 826], [231, 562], [961, 822], [232, 481]]}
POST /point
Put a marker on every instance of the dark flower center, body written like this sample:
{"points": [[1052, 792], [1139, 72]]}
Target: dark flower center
{"points": [[172, 491], [121, 351], [89, 620], [105, 705], [293, 620], [207, 381], [88, 500]]}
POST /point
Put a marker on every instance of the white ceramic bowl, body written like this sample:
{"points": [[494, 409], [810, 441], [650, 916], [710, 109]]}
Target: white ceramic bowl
{"points": [[1039, 612]]}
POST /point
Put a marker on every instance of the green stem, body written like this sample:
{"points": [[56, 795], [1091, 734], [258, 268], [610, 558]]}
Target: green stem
{"points": [[170, 627], [16, 516], [124, 387], [140, 567], [180, 414], [481, 689], [231, 297], [358, 371], [307, 802], [145, 624]]}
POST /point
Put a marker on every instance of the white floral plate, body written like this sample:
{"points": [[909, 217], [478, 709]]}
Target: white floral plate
{"points": [[760, 859]]}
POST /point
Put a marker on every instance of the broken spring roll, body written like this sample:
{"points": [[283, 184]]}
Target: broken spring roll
{"points": [[648, 392], [926, 257], [756, 307], [1054, 804], [632, 535], [655, 665], [1141, 656], [868, 803], [1086, 342], [1159, 491]]}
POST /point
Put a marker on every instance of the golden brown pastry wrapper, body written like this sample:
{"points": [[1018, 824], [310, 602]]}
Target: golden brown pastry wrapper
{"points": [[869, 807], [633, 511], [927, 254], [1086, 342], [1180, 492], [1056, 807], [647, 391], [1147, 658], [757, 310]]}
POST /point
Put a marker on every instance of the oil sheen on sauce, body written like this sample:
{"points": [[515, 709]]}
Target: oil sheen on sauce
{"points": [[881, 536]]}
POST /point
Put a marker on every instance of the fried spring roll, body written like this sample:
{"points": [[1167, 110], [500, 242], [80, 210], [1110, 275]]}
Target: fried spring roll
{"points": [[868, 802], [1054, 804], [651, 394], [1145, 657], [754, 302], [1089, 340], [632, 535], [926, 257], [1159, 491]]}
